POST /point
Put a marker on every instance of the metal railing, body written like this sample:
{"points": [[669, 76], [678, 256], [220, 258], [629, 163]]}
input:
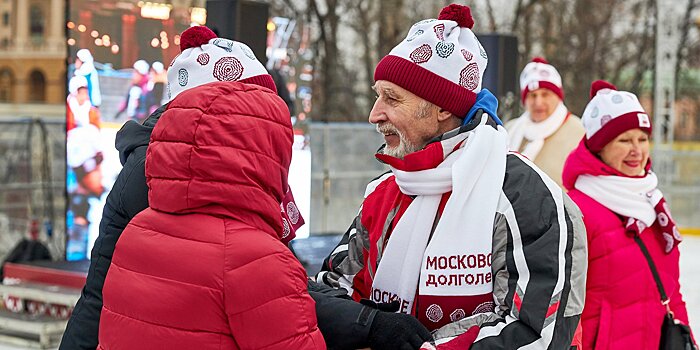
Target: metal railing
{"points": [[343, 163], [32, 182], [678, 169]]}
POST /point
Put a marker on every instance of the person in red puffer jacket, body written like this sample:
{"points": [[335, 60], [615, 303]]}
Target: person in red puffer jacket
{"points": [[206, 266], [609, 177]]}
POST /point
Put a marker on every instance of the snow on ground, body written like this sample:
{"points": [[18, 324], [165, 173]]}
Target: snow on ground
{"points": [[690, 277]]}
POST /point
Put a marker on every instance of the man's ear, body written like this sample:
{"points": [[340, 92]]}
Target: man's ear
{"points": [[444, 114]]}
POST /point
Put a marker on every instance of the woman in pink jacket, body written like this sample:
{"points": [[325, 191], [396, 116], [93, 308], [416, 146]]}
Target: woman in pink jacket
{"points": [[609, 177]]}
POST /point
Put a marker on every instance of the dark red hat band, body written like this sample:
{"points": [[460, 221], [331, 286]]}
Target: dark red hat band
{"points": [[426, 84], [616, 126], [544, 85]]}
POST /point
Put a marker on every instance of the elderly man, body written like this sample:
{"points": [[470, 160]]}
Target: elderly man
{"points": [[477, 243], [547, 132]]}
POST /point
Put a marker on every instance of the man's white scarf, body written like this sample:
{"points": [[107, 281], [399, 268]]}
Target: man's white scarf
{"points": [[535, 133], [474, 173]]}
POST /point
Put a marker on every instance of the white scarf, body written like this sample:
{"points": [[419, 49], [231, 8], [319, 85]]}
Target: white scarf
{"points": [[535, 133], [637, 199], [81, 113], [475, 174], [626, 196]]}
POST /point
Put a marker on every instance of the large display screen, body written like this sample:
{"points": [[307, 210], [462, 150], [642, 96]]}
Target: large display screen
{"points": [[119, 53]]}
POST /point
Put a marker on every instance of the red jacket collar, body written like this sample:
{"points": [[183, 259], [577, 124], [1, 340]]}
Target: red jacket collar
{"points": [[429, 157]]}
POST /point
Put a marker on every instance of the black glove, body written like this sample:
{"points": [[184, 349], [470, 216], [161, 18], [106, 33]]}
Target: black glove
{"points": [[393, 331]]}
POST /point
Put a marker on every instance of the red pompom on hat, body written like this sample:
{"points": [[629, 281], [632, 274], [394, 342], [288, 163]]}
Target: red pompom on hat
{"points": [[539, 60], [600, 85], [195, 36], [458, 13]]}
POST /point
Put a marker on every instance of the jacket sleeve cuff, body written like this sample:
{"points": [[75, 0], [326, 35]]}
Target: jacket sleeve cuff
{"points": [[344, 323]]}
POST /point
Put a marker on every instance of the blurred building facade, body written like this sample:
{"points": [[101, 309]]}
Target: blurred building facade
{"points": [[32, 54]]}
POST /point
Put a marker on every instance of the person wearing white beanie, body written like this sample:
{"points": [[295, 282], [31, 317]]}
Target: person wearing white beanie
{"points": [[633, 240], [79, 110], [476, 243], [83, 129], [547, 131], [157, 78], [136, 104], [85, 66]]}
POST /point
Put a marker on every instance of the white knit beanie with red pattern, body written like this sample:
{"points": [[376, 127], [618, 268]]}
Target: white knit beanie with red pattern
{"points": [[205, 58], [440, 60], [610, 113], [539, 74]]}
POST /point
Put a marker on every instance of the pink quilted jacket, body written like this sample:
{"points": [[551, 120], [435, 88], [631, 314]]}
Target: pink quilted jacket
{"points": [[623, 308]]}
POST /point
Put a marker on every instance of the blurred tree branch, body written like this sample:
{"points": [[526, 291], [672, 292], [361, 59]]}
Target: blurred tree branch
{"points": [[364, 25], [584, 39], [682, 51]]}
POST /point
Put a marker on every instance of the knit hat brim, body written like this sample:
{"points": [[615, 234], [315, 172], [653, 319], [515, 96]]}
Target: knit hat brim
{"points": [[264, 80], [617, 126], [543, 85], [425, 84]]}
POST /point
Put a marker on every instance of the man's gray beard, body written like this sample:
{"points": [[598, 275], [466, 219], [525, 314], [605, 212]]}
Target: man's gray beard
{"points": [[405, 147]]}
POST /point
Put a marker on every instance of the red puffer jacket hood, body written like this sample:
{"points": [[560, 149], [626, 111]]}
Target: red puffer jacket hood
{"points": [[582, 162], [224, 149]]}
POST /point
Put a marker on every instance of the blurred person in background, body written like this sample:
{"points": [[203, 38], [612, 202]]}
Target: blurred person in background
{"points": [[85, 66], [135, 103], [79, 109], [83, 158], [282, 90], [477, 243], [157, 78], [609, 176], [83, 143], [547, 132]]}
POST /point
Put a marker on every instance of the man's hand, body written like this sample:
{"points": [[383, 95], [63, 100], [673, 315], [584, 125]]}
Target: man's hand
{"points": [[392, 331]]}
